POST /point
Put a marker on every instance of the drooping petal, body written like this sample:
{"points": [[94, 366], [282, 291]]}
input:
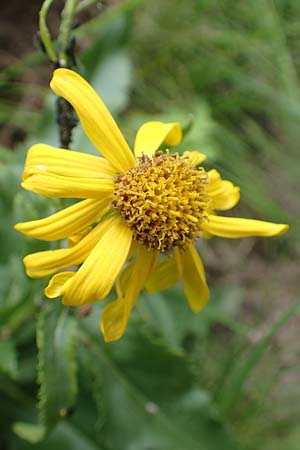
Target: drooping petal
{"points": [[95, 278], [46, 263], [113, 323], [66, 222], [66, 162], [164, 276], [213, 176], [223, 193], [95, 118], [234, 227], [58, 284], [58, 186], [123, 279], [151, 135], [226, 196], [195, 157], [194, 281], [116, 314]]}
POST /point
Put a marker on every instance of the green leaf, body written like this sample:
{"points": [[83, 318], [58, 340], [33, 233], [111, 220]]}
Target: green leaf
{"points": [[149, 384], [164, 308], [8, 358], [56, 341], [112, 80]]}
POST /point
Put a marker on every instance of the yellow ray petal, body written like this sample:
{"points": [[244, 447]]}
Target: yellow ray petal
{"points": [[194, 281], [112, 322], [66, 162], [164, 276], [45, 263], [116, 314], [223, 193], [75, 238], [122, 283], [213, 176], [195, 157], [234, 227], [216, 186], [151, 135], [58, 284], [95, 278], [205, 235], [58, 186], [228, 199], [67, 222], [95, 118], [225, 196]]}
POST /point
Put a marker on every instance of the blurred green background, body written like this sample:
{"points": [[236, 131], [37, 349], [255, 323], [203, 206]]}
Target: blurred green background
{"points": [[229, 377]]}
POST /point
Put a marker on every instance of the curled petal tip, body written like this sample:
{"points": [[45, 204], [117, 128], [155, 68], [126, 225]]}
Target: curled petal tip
{"points": [[282, 228]]}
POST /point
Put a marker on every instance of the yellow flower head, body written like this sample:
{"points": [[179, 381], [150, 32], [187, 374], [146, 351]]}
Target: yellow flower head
{"points": [[159, 203]]}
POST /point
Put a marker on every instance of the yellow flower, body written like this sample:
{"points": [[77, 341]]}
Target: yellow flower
{"points": [[141, 214]]}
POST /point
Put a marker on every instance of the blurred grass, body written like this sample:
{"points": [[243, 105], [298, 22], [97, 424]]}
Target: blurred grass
{"points": [[234, 67]]}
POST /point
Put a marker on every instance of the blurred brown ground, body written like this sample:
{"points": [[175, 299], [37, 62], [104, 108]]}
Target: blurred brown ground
{"points": [[18, 28]]}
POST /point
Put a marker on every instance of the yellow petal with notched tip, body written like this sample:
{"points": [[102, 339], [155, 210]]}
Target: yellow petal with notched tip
{"points": [[216, 185], [95, 118], [58, 186], [164, 276], [228, 199], [66, 162], [195, 157], [116, 314], [58, 284], [234, 227], [225, 196], [66, 222], [194, 281], [213, 176], [223, 193], [152, 135], [95, 278], [46, 263]]}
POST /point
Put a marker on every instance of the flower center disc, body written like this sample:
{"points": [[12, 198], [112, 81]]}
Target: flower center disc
{"points": [[163, 200]]}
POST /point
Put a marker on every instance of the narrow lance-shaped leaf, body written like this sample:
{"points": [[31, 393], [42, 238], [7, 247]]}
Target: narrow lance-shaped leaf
{"points": [[56, 340]]}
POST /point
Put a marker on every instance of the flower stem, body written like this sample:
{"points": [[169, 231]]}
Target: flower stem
{"points": [[68, 15], [86, 4], [45, 34]]}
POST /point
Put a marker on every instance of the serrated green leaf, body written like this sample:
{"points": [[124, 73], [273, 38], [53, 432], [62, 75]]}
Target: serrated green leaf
{"points": [[56, 341], [8, 358], [150, 385]]}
